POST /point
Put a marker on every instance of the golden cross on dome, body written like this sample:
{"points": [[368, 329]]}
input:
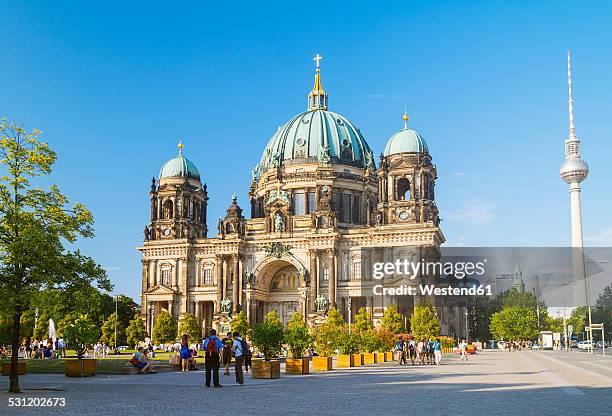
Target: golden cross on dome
{"points": [[317, 59], [180, 147]]}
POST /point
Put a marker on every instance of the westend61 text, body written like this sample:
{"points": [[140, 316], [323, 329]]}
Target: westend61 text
{"points": [[405, 290]]}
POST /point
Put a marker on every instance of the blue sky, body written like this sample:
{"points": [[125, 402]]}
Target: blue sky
{"points": [[113, 87]]}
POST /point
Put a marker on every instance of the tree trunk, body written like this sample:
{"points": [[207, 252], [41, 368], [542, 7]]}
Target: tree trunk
{"points": [[14, 379]]}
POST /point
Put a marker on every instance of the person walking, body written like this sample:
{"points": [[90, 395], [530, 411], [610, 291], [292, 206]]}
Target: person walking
{"points": [[437, 347], [239, 351], [248, 362], [399, 350], [463, 349], [213, 346]]}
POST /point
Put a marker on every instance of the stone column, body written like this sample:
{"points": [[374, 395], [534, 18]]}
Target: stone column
{"points": [[219, 283], [177, 270], [171, 307], [184, 285], [225, 280], [154, 279], [240, 282], [145, 276], [235, 262], [332, 278], [314, 280]]}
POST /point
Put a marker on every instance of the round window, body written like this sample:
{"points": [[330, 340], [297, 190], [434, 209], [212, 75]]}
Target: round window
{"points": [[346, 142], [300, 142], [339, 121]]}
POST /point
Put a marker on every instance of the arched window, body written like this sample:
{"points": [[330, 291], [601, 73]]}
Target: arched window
{"points": [[403, 189], [168, 209]]}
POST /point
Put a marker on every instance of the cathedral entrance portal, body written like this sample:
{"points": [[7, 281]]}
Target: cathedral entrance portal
{"points": [[280, 283]]}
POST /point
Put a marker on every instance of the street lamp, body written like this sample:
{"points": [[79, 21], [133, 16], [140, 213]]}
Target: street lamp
{"points": [[116, 321], [588, 299]]}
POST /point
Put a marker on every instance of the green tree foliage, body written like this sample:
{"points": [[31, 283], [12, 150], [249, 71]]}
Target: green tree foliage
{"points": [[41, 327], [108, 331], [425, 323], [348, 342], [386, 339], [164, 329], [79, 331], [240, 324], [370, 341], [268, 336], [189, 325], [327, 338], [579, 318], [136, 331], [603, 312], [392, 321], [34, 224], [514, 323], [126, 307], [362, 320], [297, 336], [334, 318]]}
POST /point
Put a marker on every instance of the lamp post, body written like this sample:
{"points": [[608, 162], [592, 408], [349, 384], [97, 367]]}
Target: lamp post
{"points": [[588, 300], [116, 321]]}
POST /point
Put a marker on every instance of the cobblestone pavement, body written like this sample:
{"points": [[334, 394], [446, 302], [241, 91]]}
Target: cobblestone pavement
{"points": [[525, 383]]}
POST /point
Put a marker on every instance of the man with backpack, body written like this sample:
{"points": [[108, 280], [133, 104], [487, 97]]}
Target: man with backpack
{"points": [[212, 345], [399, 351], [239, 351]]}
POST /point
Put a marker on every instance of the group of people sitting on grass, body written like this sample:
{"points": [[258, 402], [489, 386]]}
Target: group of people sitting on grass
{"points": [[43, 349], [424, 351]]}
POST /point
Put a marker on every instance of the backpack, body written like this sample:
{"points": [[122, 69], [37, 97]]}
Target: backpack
{"points": [[211, 347]]}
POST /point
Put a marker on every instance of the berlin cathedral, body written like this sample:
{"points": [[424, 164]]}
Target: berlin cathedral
{"points": [[322, 212]]}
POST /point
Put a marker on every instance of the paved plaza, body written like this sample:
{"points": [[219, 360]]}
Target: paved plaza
{"points": [[543, 383]]}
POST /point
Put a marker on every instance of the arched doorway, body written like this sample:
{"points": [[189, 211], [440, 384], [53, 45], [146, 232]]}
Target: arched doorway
{"points": [[278, 289]]}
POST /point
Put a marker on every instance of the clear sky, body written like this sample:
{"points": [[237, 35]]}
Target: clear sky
{"points": [[113, 86]]}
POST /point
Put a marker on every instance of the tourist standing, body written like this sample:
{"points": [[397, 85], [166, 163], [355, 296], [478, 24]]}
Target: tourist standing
{"points": [[248, 363], [239, 351], [463, 349], [226, 356], [437, 347], [213, 346], [185, 353]]}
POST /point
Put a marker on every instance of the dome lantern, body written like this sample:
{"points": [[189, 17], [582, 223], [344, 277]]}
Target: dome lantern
{"points": [[317, 98], [179, 167]]}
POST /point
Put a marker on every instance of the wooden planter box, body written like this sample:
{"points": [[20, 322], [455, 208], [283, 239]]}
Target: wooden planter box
{"points": [[321, 363], [379, 357], [368, 358], [265, 369], [388, 356], [297, 365], [80, 368], [345, 361], [22, 368], [357, 359]]}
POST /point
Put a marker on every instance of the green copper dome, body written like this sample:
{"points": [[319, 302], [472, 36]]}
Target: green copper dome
{"points": [[406, 141], [317, 135], [179, 167]]}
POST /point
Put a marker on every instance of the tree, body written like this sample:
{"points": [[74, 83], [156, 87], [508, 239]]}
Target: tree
{"points": [[370, 341], [190, 326], [603, 311], [392, 320], [136, 331], [268, 336], [348, 342], [78, 332], [514, 323], [108, 331], [239, 324], [164, 329], [34, 224], [297, 336], [334, 318], [362, 320], [424, 323]]}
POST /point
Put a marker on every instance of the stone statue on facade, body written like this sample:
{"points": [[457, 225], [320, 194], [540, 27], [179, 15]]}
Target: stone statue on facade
{"points": [[250, 278], [226, 305], [305, 275], [147, 233], [324, 157], [321, 304], [254, 173], [278, 223]]}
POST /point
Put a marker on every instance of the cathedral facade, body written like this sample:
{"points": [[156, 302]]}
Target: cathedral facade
{"points": [[322, 212]]}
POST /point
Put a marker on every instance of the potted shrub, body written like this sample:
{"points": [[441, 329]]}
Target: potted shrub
{"points": [[79, 331], [348, 346], [386, 343], [298, 339], [326, 341], [369, 343], [268, 339]]}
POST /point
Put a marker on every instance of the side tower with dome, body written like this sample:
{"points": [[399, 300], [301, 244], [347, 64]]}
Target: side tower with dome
{"points": [[321, 214]]}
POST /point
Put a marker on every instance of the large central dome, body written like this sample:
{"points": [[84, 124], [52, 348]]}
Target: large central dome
{"points": [[310, 134], [317, 135]]}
